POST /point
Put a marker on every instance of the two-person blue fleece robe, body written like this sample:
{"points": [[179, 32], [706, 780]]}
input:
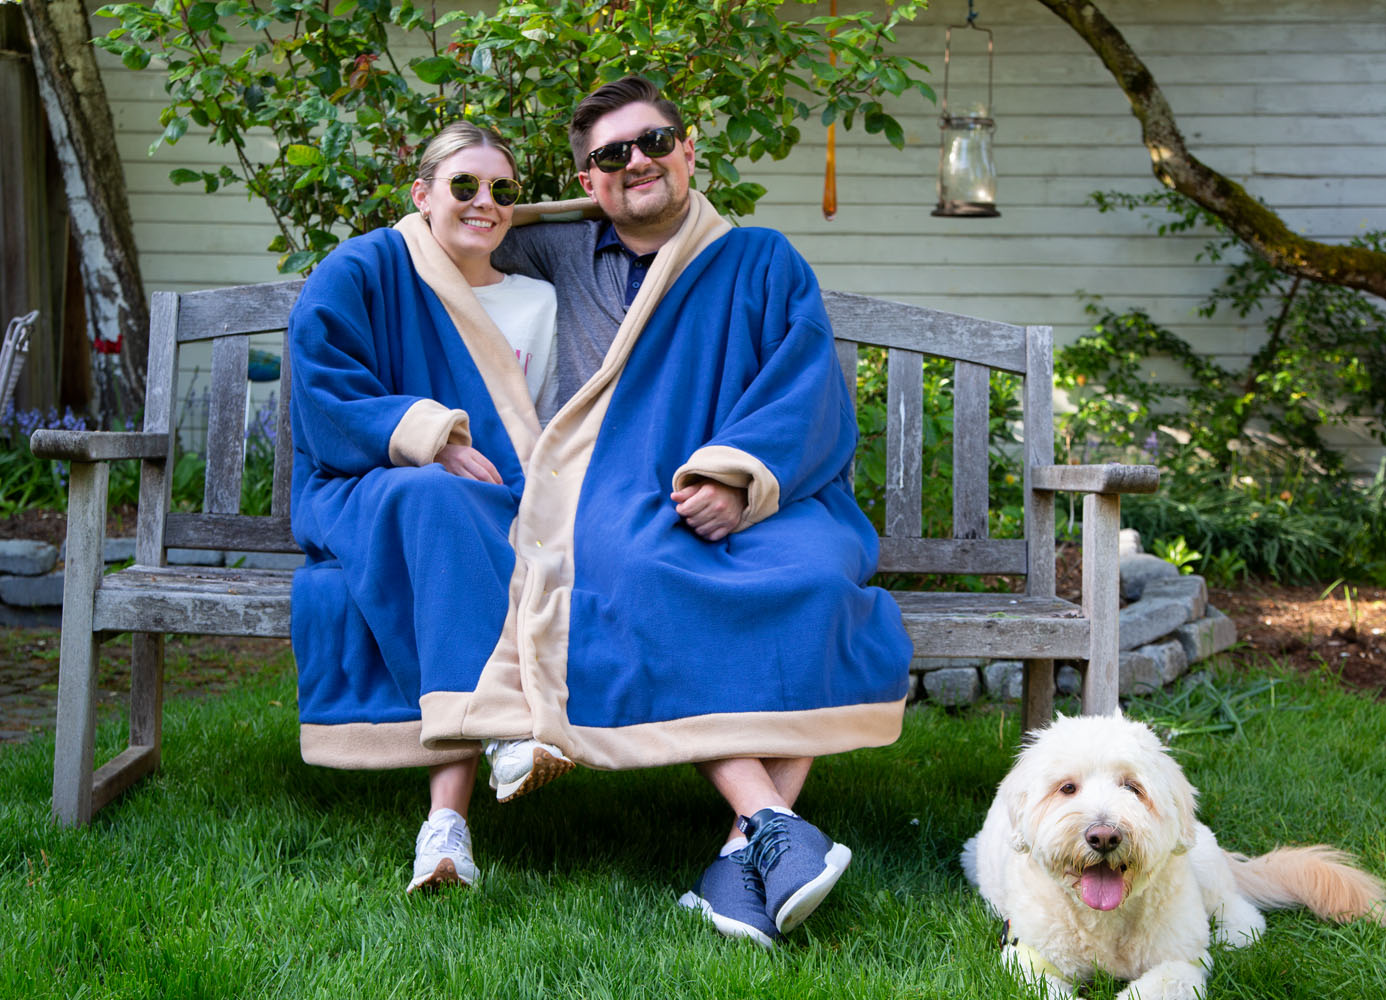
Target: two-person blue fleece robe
{"points": [[573, 603]]}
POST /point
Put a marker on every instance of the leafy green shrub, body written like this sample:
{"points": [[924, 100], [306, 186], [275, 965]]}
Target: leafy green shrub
{"points": [[345, 112], [1247, 479]]}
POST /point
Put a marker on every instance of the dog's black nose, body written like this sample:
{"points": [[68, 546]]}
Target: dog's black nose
{"points": [[1102, 838]]}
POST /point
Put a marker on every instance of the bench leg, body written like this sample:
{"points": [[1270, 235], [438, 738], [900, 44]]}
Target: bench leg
{"points": [[1037, 694], [78, 646], [1101, 600]]}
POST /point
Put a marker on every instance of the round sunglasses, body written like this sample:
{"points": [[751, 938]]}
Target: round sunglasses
{"points": [[505, 191], [615, 156]]}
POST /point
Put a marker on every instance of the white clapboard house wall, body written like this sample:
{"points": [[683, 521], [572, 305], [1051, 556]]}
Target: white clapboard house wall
{"points": [[1287, 98]]}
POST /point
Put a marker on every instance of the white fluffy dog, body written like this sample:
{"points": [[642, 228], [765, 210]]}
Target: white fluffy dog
{"points": [[1093, 858]]}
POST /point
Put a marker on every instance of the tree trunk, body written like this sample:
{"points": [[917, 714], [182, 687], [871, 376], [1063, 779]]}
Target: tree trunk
{"points": [[79, 119], [1177, 168]]}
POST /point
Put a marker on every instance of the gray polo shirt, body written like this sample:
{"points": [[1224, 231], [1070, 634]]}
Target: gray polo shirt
{"points": [[592, 276]]}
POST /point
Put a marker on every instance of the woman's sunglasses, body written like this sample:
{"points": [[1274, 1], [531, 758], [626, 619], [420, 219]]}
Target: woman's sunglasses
{"points": [[505, 191], [615, 156]]}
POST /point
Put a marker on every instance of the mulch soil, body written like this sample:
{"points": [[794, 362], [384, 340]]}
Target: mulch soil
{"points": [[1339, 632]]}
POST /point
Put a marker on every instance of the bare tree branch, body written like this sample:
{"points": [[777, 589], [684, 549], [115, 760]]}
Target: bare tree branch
{"points": [[1177, 168]]}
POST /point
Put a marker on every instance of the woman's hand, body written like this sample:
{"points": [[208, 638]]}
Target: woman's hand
{"points": [[712, 509], [467, 462]]}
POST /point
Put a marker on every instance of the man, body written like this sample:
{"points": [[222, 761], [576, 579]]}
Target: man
{"points": [[724, 621]]}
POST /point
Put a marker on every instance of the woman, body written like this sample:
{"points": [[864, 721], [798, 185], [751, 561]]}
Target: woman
{"points": [[416, 366]]}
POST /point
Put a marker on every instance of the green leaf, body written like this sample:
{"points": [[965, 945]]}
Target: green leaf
{"points": [[738, 130], [434, 69], [135, 57], [298, 155], [202, 16], [298, 261], [184, 176]]}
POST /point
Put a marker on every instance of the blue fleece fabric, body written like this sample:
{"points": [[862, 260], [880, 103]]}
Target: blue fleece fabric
{"points": [[405, 587]]}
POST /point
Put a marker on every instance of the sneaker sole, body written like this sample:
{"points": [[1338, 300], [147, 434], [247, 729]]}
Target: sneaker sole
{"points": [[444, 875], [726, 926], [797, 908], [546, 768]]}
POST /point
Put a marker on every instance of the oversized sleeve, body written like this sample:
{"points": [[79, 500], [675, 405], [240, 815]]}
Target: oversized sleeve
{"points": [[348, 416], [792, 431]]}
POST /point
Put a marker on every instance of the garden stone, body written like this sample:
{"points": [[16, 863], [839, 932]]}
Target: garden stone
{"points": [[195, 557], [43, 616], [1137, 674], [1068, 681], [265, 560], [32, 591], [26, 557], [953, 685], [1139, 569], [1129, 542], [1208, 635], [1004, 680], [1146, 621], [1168, 657], [1190, 588], [113, 550]]}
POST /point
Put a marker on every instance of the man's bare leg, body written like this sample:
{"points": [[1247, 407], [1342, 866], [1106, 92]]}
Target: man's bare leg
{"points": [[750, 784]]}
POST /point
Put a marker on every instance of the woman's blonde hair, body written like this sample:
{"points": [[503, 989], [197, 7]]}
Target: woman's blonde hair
{"points": [[460, 135]]}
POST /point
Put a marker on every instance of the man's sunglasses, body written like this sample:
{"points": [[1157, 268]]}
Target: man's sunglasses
{"points": [[505, 191], [615, 156]]}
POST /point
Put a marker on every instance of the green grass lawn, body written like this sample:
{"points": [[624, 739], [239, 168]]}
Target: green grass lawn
{"points": [[238, 871]]}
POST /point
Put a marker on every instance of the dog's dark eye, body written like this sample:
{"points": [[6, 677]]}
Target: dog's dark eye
{"points": [[1134, 789], [1068, 788]]}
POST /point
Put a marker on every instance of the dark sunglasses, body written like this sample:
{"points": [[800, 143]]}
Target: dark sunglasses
{"points": [[615, 156], [505, 191]]}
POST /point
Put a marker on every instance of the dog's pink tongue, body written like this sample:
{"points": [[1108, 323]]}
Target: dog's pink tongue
{"points": [[1102, 887]]}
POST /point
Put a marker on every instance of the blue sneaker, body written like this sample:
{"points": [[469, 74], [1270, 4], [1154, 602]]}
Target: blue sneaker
{"points": [[798, 865], [731, 895]]}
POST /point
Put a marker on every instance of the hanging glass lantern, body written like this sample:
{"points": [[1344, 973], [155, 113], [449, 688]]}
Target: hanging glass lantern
{"points": [[966, 170]]}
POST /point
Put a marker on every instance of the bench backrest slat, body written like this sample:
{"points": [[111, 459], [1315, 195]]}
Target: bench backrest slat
{"points": [[1038, 404], [226, 425], [161, 390], [283, 443], [904, 443], [916, 328], [229, 531], [220, 312], [953, 555], [971, 437]]}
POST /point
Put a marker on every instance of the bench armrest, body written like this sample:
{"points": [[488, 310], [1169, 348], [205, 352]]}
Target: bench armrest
{"points": [[1111, 478], [97, 446]]}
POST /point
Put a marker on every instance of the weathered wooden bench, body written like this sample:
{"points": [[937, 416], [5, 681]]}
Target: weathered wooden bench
{"points": [[151, 598]]}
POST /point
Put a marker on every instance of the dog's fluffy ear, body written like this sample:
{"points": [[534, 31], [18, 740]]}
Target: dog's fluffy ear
{"points": [[1184, 799], [1012, 793]]}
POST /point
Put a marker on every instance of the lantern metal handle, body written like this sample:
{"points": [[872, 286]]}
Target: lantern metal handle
{"points": [[947, 56]]}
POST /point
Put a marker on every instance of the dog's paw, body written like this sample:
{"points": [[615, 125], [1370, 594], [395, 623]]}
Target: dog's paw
{"points": [[1166, 981]]}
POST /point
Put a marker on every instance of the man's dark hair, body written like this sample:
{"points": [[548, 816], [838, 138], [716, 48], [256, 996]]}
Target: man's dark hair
{"points": [[612, 97]]}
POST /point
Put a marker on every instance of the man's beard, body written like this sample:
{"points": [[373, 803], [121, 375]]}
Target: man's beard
{"points": [[652, 212]]}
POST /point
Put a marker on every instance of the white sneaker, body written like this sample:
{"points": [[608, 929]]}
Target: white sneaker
{"points": [[520, 766], [443, 852]]}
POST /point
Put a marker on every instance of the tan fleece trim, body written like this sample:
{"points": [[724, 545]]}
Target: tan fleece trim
{"points": [[570, 210], [534, 644], [424, 429], [501, 711], [494, 357], [811, 733], [367, 746], [734, 467]]}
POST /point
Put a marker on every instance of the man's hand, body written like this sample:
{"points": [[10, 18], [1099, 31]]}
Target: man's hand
{"points": [[467, 462], [712, 509]]}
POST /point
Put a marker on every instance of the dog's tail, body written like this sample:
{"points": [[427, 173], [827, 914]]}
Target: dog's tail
{"points": [[1321, 878]]}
